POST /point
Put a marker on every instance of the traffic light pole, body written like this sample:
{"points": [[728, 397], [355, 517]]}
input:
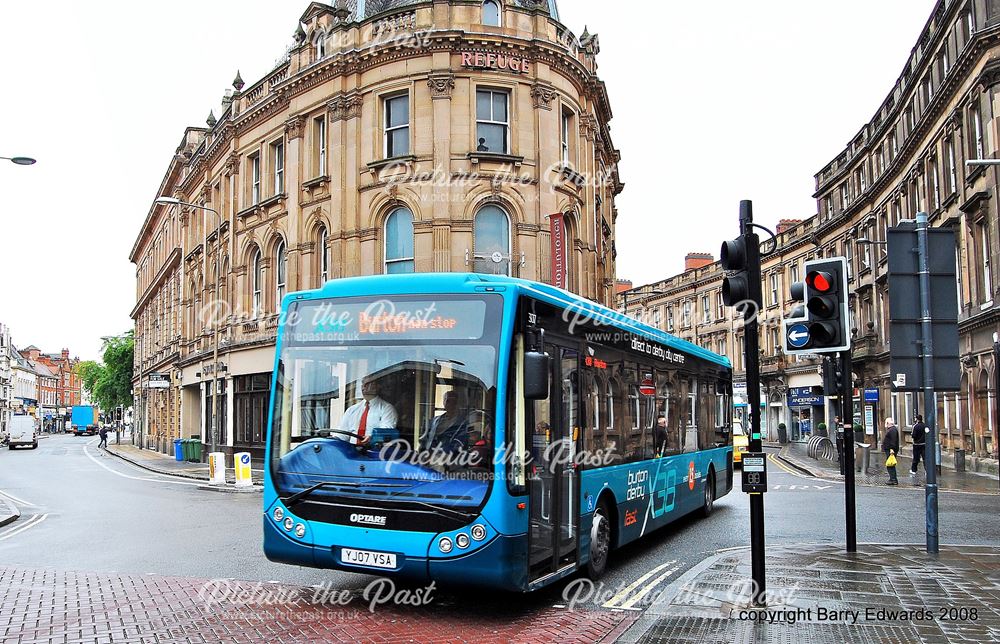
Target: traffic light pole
{"points": [[847, 416], [751, 343], [930, 413]]}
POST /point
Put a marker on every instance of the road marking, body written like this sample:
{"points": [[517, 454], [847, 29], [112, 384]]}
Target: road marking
{"points": [[138, 478], [774, 459], [650, 586], [17, 500], [32, 522], [613, 602]]}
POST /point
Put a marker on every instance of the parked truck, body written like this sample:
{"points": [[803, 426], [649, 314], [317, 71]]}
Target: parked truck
{"points": [[85, 420]]}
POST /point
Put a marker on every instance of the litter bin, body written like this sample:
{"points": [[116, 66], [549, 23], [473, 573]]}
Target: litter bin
{"points": [[959, 460], [862, 457], [186, 449], [178, 450], [195, 450]]}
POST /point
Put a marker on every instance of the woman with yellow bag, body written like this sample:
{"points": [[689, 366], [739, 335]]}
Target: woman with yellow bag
{"points": [[890, 446]]}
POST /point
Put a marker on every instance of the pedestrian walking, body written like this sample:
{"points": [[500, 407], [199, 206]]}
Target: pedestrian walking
{"points": [[919, 434], [890, 446], [103, 433]]}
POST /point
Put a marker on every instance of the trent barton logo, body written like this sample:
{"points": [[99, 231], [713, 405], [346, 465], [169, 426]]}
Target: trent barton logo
{"points": [[370, 519]]}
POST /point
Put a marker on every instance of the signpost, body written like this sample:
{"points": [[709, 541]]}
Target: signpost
{"points": [[821, 325], [923, 355]]}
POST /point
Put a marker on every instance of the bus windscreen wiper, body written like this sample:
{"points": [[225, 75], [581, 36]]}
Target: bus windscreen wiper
{"points": [[298, 496], [438, 510]]}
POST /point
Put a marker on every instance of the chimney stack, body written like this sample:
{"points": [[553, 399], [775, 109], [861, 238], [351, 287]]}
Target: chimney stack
{"points": [[622, 286], [785, 224], [697, 260]]}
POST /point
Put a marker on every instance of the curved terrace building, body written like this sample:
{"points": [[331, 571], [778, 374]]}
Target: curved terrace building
{"points": [[910, 157], [394, 136]]}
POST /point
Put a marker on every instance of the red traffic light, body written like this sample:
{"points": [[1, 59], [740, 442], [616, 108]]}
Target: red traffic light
{"points": [[820, 281]]}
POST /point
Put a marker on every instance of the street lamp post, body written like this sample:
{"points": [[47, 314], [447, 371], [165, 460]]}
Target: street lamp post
{"points": [[172, 201], [874, 261], [19, 160]]}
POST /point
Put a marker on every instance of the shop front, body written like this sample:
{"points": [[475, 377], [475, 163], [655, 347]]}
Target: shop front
{"points": [[805, 412]]}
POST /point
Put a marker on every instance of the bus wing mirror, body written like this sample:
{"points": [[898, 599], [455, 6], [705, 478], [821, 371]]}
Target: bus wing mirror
{"points": [[536, 375]]}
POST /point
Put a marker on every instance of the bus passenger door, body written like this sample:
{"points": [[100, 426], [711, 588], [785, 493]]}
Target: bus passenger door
{"points": [[553, 432]]}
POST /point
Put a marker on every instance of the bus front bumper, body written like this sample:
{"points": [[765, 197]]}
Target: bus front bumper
{"points": [[501, 563]]}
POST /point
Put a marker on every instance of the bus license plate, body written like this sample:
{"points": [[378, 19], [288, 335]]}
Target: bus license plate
{"points": [[368, 558]]}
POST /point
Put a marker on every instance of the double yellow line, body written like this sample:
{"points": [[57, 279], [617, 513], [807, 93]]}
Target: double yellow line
{"points": [[777, 461]]}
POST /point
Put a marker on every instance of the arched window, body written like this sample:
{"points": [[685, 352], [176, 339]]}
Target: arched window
{"points": [[492, 241], [280, 274], [324, 257], [256, 283], [491, 13], [222, 306], [399, 242], [319, 42]]}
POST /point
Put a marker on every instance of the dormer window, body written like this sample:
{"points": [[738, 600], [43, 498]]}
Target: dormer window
{"points": [[491, 13], [319, 43]]}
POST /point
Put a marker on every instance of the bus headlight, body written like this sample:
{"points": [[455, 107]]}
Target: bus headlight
{"points": [[300, 531], [279, 514], [445, 545], [462, 540], [478, 532], [289, 523]]}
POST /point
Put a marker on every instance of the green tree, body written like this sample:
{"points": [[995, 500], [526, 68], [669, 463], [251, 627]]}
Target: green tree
{"points": [[89, 372], [109, 383]]}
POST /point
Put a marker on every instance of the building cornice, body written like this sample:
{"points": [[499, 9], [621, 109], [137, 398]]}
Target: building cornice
{"points": [[946, 94], [173, 260]]}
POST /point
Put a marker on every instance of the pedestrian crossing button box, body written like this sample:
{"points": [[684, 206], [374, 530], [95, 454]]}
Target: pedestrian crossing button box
{"points": [[754, 473]]}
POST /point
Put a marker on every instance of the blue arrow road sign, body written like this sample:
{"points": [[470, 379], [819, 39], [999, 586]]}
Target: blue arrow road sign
{"points": [[798, 336]]}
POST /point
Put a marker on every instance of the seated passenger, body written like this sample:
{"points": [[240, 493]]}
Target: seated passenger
{"points": [[366, 415]]}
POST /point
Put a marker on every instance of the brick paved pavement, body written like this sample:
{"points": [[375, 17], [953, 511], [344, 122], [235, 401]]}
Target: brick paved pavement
{"points": [[810, 587], [164, 464], [949, 479], [51, 606]]}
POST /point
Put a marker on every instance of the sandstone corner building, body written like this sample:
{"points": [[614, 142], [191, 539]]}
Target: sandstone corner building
{"points": [[395, 136]]}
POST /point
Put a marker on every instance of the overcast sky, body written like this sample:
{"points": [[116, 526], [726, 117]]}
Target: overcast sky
{"points": [[713, 103]]}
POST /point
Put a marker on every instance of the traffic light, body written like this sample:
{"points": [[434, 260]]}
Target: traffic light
{"points": [[740, 258], [826, 303], [833, 377], [821, 324]]}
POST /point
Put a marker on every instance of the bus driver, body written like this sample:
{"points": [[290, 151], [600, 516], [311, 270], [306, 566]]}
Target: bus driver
{"points": [[365, 415]]}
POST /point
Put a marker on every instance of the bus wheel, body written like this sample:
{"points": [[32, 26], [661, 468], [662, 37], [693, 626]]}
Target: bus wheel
{"points": [[706, 509], [600, 542]]}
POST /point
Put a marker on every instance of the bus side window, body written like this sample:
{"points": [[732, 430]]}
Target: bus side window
{"points": [[708, 422], [690, 442], [619, 418]]}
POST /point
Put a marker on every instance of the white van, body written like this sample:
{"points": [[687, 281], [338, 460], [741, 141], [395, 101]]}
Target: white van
{"points": [[22, 432]]}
